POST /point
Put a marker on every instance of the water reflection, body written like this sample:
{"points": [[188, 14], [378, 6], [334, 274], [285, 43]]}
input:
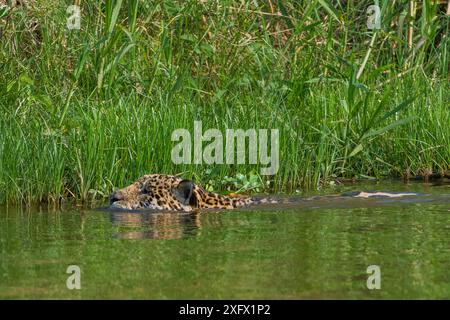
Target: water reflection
{"points": [[154, 225]]}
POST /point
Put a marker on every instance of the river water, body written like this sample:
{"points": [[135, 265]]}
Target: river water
{"points": [[313, 246]]}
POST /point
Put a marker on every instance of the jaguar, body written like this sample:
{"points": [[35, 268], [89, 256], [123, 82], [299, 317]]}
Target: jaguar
{"points": [[171, 193]]}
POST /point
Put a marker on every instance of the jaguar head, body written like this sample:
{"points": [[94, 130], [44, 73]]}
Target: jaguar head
{"points": [[156, 192]]}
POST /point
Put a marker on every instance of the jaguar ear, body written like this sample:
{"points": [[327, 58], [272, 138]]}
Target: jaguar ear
{"points": [[184, 193]]}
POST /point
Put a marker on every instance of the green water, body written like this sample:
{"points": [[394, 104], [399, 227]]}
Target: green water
{"points": [[317, 248]]}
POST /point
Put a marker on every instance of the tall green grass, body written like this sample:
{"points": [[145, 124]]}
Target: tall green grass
{"points": [[85, 111]]}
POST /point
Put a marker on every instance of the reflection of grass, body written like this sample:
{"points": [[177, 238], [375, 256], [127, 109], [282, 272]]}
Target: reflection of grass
{"points": [[84, 111]]}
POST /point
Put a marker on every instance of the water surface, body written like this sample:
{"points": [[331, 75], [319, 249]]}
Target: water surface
{"points": [[311, 247]]}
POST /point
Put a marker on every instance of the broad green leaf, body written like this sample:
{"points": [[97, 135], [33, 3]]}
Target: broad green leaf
{"points": [[355, 151], [3, 11], [397, 109], [330, 9], [388, 127], [114, 16]]}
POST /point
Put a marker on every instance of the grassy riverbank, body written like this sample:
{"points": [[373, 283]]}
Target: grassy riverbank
{"points": [[84, 111]]}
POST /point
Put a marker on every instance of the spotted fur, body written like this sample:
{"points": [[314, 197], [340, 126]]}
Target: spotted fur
{"points": [[165, 192]]}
